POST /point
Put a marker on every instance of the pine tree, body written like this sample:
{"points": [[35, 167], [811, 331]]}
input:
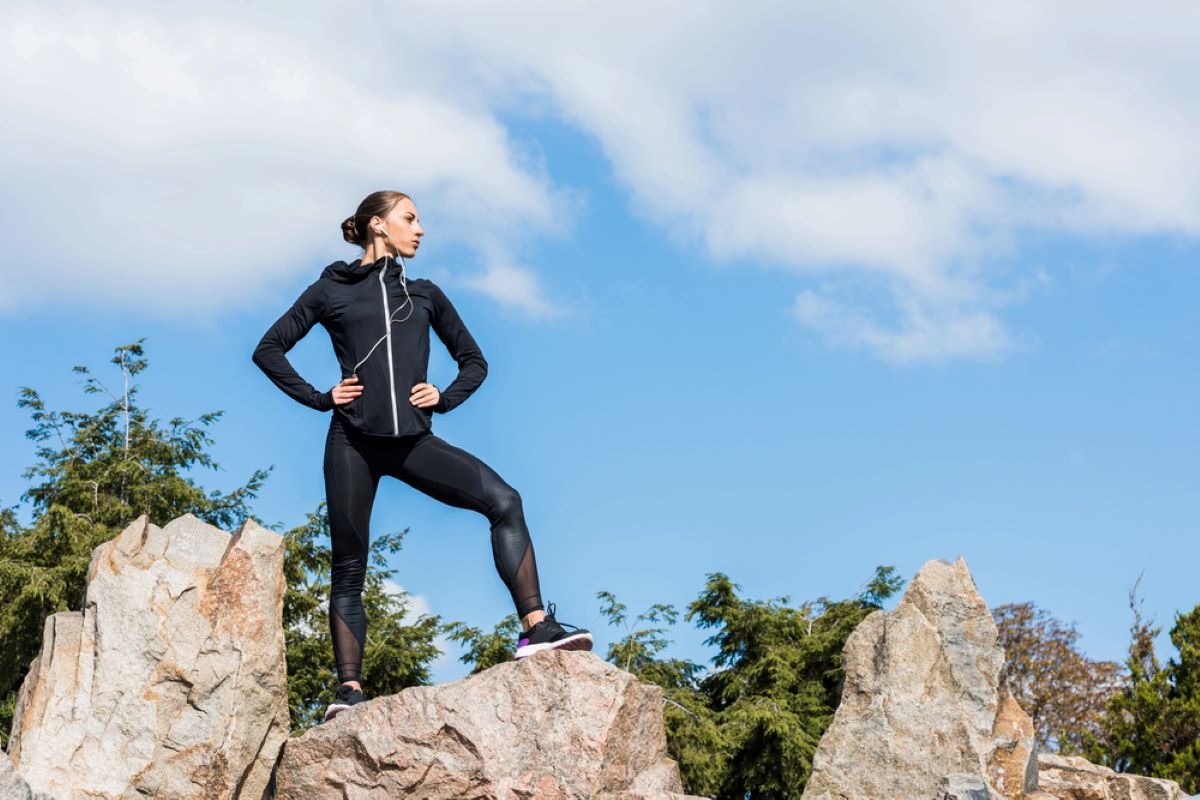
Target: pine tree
{"points": [[1153, 723], [779, 679], [749, 728], [1182, 718], [95, 473]]}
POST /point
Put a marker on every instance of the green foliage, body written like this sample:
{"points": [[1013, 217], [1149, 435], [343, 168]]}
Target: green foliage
{"points": [[110, 466], [487, 649], [95, 473], [1183, 715], [1153, 723], [749, 728], [780, 679], [695, 738], [637, 651], [397, 654]]}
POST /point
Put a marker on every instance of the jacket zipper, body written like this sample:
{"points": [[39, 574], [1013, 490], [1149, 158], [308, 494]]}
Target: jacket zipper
{"points": [[387, 321]]}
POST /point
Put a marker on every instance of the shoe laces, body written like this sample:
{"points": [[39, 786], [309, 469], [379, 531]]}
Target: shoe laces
{"points": [[550, 609]]}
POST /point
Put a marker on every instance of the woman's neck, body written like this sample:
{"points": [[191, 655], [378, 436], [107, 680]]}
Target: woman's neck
{"points": [[371, 254]]}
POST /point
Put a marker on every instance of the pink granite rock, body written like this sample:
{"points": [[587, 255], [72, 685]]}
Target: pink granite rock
{"points": [[558, 725]]}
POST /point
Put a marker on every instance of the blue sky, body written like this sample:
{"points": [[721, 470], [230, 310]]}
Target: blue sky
{"points": [[785, 330]]}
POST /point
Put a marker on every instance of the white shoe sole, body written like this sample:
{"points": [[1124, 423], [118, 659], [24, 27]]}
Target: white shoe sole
{"points": [[333, 710], [577, 641]]}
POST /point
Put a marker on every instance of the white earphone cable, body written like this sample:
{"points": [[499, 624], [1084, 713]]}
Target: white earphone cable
{"points": [[407, 302]]}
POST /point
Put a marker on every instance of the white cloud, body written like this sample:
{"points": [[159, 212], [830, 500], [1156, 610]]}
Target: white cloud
{"points": [[909, 147], [918, 334], [156, 162], [515, 286]]}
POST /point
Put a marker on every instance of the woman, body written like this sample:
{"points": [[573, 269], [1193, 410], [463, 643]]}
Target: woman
{"points": [[378, 320]]}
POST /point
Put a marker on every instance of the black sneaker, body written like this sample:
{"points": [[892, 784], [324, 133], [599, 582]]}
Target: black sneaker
{"points": [[345, 696], [548, 634]]}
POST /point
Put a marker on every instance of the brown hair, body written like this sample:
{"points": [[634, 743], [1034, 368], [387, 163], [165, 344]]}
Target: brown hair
{"points": [[376, 204]]}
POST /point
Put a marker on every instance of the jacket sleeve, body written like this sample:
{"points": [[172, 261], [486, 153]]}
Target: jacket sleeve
{"points": [[281, 337], [472, 368]]}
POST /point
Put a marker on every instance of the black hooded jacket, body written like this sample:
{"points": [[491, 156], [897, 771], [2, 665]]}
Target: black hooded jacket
{"points": [[352, 302]]}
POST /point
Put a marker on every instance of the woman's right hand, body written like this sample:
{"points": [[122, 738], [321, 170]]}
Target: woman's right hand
{"points": [[347, 389]]}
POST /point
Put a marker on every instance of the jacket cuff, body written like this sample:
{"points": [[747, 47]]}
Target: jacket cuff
{"points": [[323, 401]]}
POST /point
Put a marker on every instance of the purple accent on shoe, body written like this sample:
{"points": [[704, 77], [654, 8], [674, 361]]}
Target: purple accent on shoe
{"points": [[522, 643]]}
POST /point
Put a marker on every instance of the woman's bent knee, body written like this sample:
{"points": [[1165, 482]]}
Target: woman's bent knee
{"points": [[505, 502]]}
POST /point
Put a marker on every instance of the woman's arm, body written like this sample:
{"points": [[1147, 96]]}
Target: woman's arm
{"points": [[472, 368], [281, 337]]}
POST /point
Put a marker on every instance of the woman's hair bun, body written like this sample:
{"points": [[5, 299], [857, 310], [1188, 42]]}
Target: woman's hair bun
{"points": [[350, 231], [376, 204]]}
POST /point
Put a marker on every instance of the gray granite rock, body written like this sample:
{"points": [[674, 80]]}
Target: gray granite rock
{"points": [[921, 700], [172, 682]]}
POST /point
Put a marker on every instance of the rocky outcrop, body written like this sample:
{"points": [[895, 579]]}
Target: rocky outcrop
{"points": [[1072, 778], [556, 726], [172, 682], [922, 712]]}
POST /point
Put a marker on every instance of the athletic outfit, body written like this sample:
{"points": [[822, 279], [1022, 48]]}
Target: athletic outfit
{"points": [[378, 323]]}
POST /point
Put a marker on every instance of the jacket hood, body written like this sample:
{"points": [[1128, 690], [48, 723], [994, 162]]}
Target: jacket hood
{"points": [[352, 272]]}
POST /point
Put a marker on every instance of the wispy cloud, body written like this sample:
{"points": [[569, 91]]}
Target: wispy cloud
{"points": [[918, 334]]}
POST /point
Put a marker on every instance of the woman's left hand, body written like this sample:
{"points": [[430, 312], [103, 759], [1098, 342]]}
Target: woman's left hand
{"points": [[425, 395]]}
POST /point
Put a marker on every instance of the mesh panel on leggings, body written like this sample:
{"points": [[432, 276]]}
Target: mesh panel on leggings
{"points": [[347, 641], [525, 584], [512, 548]]}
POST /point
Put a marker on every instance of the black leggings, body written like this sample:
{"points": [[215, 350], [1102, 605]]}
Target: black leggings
{"points": [[354, 462]]}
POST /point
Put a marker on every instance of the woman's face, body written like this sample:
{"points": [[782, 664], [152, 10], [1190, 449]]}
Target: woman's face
{"points": [[404, 228]]}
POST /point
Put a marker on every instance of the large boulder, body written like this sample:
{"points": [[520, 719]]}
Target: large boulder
{"points": [[556, 726], [171, 683], [1073, 778], [922, 712]]}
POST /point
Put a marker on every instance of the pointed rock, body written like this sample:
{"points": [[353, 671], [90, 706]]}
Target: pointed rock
{"points": [[921, 702], [172, 681], [557, 725]]}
